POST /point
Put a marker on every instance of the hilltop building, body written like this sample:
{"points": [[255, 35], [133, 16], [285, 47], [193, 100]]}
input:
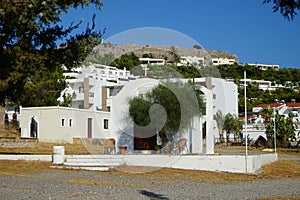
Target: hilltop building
{"points": [[191, 60], [223, 61], [263, 66], [194, 56]]}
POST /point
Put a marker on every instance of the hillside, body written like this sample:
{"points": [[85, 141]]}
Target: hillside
{"points": [[159, 51]]}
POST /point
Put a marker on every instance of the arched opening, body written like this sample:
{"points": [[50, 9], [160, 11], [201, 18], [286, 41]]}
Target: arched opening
{"points": [[33, 128], [144, 138]]}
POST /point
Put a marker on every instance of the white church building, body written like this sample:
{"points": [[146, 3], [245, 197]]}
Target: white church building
{"points": [[99, 110]]}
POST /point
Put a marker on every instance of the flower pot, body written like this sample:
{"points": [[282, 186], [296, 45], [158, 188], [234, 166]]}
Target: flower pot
{"points": [[122, 149]]}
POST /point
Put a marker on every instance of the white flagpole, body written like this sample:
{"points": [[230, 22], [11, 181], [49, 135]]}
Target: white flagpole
{"points": [[274, 112], [246, 135]]}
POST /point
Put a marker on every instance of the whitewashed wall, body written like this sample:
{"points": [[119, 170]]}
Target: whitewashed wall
{"points": [[50, 127]]}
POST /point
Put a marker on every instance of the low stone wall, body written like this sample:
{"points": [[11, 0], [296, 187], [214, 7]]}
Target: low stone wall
{"points": [[89, 141], [223, 163], [257, 161], [10, 142]]}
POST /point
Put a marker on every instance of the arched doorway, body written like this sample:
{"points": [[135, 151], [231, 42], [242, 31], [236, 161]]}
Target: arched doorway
{"points": [[33, 128], [144, 138]]}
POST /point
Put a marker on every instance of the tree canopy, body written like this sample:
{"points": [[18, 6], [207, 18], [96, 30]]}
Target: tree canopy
{"points": [[180, 101], [34, 46], [287, 8], [128, 61]]}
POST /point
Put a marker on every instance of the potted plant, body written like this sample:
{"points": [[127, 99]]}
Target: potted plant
{"points": [[157, 149], [122, 149]]}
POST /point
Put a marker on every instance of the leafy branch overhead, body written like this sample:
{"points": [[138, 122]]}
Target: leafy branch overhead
{"points": [[287, 8], [34, 45]]}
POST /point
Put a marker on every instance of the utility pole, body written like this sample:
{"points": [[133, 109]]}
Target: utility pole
{"points": [[274, 112], [246, 134]]}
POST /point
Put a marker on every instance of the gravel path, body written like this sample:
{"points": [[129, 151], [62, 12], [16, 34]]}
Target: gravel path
{"points": [[102, 185]]}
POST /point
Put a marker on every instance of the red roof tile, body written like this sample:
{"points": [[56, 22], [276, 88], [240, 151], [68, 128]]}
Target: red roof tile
{"points": [[275, 105], [293, 104], [271, 105]]}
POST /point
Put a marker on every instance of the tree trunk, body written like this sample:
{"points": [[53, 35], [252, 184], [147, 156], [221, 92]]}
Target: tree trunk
{"points": [[227, 138]]}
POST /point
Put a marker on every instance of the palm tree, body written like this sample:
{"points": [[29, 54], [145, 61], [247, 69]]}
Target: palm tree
{"points": [[228, 125], [237, 127], [219, 118], [269, 124]]}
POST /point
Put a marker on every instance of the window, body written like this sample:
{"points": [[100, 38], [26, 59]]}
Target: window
{"points": [[111, 92], [214, 96], [63, 122], [105, 123], [80, 89], [70, 122]]}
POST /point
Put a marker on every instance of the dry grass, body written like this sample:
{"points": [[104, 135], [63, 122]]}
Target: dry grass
{"points": [[46, 148], [295, 152], [167, 174], [22, 167], [276, 170], [281, 169], [8, 133]]}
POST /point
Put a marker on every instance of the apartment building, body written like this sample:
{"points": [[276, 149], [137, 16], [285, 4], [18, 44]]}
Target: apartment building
{"points": [[91, 85], [222, 61]]}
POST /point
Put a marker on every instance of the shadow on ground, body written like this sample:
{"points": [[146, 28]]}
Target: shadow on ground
{"points": [[152, 195]]}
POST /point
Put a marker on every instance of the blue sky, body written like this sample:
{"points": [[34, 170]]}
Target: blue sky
{"points": [[246, 28]]}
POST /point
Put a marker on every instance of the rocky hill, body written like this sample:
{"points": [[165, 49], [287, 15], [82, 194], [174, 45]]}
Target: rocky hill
{"points": [[159, 51]]}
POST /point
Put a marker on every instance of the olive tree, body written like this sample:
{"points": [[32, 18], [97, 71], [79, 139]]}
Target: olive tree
{"points": [[178, 102]]}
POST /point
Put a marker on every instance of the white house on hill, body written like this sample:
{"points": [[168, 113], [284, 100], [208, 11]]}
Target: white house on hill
{"points": [[193, 60], [223, 61]]}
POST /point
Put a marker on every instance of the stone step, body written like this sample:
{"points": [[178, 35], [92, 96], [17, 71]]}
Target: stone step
{"points": [[85, 164], [92, 163], [99, 159], [97, 168], [87, 160], [89, 156], [93, 160]]}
